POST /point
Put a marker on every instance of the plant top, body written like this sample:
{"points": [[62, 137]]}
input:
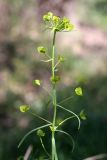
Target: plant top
{"points": [[56, 23]]}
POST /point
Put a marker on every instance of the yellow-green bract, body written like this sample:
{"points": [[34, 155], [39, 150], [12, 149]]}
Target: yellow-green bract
{"points": [[24, 108], [37, 82], [41, 49], [40, 133], [82, 115], [79, 91], [61, 59]]}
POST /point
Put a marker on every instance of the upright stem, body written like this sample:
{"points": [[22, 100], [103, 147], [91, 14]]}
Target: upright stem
{"points": [[53, 76], [53, 53], [54, 154]]}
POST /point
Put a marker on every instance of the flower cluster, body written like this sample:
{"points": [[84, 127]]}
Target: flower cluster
{"points": [[57, 23]]}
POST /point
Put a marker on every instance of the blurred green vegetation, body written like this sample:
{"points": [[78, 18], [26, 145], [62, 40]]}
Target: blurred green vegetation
{"points": [[94, 12], [20, 65]]}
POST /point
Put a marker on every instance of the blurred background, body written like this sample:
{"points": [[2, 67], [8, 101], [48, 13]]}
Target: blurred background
{"points": [[85, 49]]}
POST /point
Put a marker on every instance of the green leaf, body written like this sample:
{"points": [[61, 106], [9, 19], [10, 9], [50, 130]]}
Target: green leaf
{"points": [[40, 133], [79, 91], [24, 108], [83, 115], [37, 82], [41, 49], [34, 114], [63, 121]]}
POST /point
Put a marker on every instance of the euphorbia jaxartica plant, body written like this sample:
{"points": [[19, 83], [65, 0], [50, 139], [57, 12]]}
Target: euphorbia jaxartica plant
{"points": [[54, 24]]}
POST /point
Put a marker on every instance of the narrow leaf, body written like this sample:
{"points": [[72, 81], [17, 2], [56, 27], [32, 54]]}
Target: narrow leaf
{"points": [[36, 115], [65, 120], [30, 132], [79, 122], [66, 99]]}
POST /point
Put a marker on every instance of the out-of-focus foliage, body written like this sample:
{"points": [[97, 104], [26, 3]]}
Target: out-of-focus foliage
{"points": [[85, 65]]}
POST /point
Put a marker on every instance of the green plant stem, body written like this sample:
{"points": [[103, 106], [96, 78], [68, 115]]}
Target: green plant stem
{"points": [[54, 154], [53, 75]]}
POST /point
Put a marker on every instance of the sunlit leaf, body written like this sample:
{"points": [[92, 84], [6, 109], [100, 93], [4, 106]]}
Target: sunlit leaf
{"points": [[24, 108], [79, 91]]}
